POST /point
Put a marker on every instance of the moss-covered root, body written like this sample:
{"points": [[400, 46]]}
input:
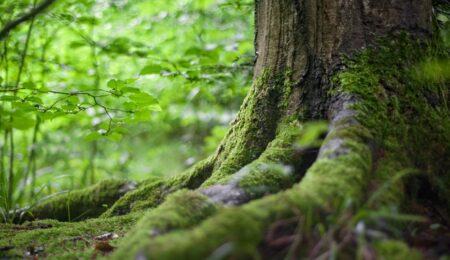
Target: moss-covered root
{"points": [[180, 210], [80, 204], [152, 193], [280, 166], [338, 175]]}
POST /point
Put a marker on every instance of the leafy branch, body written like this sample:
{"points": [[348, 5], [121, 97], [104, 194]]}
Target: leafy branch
{"points": [[25, 17], [142, 100]]}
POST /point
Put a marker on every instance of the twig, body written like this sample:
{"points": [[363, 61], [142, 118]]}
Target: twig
{"points": [[25, 17]]}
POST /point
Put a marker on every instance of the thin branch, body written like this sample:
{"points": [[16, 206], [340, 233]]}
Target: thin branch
{"points": [[106, 112], [25, 17], [62, 92]]}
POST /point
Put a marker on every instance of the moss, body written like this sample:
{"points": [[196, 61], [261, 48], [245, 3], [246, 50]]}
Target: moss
{"points": [[236, 232], [152, 193], [394, 249], [264, 178], [387, 186], [61, 240], [80, 204], [329, 180], [255, 126], [406, 111], [180, 210], [274, 170]]}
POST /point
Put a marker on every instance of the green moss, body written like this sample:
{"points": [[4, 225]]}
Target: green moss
{"points": [[234, 232], [405, 111], [255, 126], [273, 171], [261, 179], [237, 232], [387, 185], [394, 249], [152, 193], [61, 240], [331, 180], [180, 210], [80, 204]]}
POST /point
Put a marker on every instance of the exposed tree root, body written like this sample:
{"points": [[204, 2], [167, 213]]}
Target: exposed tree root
{"points": [[260, 195], [80, 204], [340, 173]]}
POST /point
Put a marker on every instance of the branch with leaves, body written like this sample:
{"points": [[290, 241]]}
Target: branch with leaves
{"points": [[138, 101], [25, 17]]}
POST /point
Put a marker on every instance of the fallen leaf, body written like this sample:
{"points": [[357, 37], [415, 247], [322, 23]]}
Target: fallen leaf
{"points": [[103, 247]]}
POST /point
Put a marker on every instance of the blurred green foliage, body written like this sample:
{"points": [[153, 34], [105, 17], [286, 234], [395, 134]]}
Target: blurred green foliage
{"points": [[116, 89]]}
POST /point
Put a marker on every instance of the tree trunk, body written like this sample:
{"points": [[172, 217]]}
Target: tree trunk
{"points": [[301, 75]]}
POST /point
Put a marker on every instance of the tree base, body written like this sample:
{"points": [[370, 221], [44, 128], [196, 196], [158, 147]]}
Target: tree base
{"points": [[386, 152]]}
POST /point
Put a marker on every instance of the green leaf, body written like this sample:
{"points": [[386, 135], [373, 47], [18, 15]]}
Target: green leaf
{"points": [[88, 20], [443, 18], [76, 44], [151, 69], [73, 100], [29, 85], [114, 136], [141, 116], [23, 107], [93, 136], [50, 115], [9, 98], [129, 106], [23, 122], [120, 130], [116, 84], [143, 99], [155, 107], [35, 99], [194, 51], [130, 90], [212, 55], [130, 81]]}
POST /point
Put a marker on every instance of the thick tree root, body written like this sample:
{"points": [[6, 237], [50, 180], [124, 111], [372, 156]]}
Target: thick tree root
{"points": [[181, 210], [277, 168], [340, 173], [152, 193], [80, 204]]}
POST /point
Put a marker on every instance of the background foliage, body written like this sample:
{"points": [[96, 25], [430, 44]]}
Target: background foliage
{"points": [[116, 89]]}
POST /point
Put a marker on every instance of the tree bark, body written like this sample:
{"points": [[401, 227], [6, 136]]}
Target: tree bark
{"points": [[308, 38]]}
